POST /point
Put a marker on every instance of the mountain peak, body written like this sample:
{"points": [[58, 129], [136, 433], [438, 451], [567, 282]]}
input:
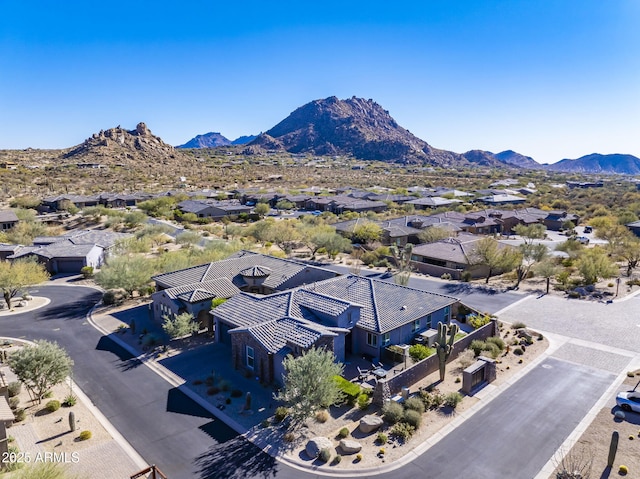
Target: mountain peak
{"points": [[208, 140]]}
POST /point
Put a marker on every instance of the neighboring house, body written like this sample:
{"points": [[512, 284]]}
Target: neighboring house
{"points": [[432, 202], [451, 255], [55, 203], [247, 271], [213, 209], [8, 220], [502, 199], [347, 314], [554, 220], [634, 227], [72, 252], [340, 204]]}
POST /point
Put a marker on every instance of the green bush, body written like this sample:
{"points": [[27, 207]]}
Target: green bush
{"points": [[436, 400], [497, 340], [337, 459], [53, 405], [478, 320], [69, 400], [344, 432], [452, 399], [87, 271], [518, 352], [382, 438], [84, 436], [363, 401], [350, 390], [14, 402], [402, 431], [281, 413], [477, 346], [14, 388], [325, 454], [518, 325], [392, 412], [415, 403], [418, 352], [412, 417]]}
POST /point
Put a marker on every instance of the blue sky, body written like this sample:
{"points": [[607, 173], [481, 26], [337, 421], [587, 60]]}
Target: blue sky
{"points": [[550, 79]]}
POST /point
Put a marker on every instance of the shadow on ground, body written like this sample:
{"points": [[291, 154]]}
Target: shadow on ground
{"points": [[71, 310], [235, 459], [125, 359], [467, 288]]}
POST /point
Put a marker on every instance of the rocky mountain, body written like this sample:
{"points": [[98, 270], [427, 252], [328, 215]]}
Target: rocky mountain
{"points": [[357, 127], [243, 140], [510, 157], [599, 164], [208, 140], [482, 158]]}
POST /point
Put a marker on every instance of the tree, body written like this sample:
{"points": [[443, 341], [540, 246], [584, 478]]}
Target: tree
{"points": [[131, 273], [403, 262], [180, 325], [434, 233], [365, 233], [40, 367], [630, 252], [262, 209], [594, 263], [285, 205], [134, 219], [547, 269], [309, 383], [488, 252], [284, 235], [532, 253], [19, 274], [313, 236], [188, 238]]}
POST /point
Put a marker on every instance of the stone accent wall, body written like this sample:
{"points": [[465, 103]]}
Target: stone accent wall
{"points": [[419, 370]]}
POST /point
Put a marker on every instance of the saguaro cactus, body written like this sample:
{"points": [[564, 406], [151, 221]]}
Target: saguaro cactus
{"points": [[613, 448], [72, 421], [444, 345]]}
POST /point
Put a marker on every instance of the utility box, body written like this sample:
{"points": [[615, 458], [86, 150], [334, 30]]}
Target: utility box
{"points": [[482, 372]]}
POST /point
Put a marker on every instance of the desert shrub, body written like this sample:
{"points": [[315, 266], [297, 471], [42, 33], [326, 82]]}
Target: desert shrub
{"points": [[412, 417], [19, 415], [325, 454], [344, 432], [84, 435], [445, 276], [477, 346], [358, 457], [224, 385], [213, 390], [452, 399], [236, 393], [363, 401], [518, 325], [518, 352], [14, 388], [498, 341], [150, 340], [265, 423], [227, 401], [436, 400], [419, 351], [350, 390], [623, 470], [69, 400], [466, 358], [322, 416], [337, 459], [402, 431], [415, 404], [53, 405], [281, 413], [289, 437], [87, 271], [392, 412], [466, 276], [382, 438], [14, 402]]}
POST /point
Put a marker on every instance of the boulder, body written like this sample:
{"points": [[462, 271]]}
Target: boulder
{"points": [[316, 444], [349, 446], [370, 423]]}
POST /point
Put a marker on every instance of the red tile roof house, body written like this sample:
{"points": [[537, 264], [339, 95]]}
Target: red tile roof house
{"points": [[349, 315]]}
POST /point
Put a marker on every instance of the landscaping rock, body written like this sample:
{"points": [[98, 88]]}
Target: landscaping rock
{"points": [[370, 423], [316, 444], [349, 446]]}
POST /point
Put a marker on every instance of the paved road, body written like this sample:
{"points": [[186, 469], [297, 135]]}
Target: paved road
{"points": [[486, 299], [515, 432]]}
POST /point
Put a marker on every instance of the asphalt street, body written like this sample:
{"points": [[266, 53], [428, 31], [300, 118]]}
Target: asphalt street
{"points": [[516, 433]]}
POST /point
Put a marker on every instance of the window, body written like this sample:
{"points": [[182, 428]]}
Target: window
{"points": [[372, 340], [349, 318], [416, 325], [250, 357], [446, 313], [429, 321], [386, 339]]}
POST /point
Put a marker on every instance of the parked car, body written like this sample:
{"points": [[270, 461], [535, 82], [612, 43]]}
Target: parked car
{"points": [[582, 240], [588, 229], [629, 401], [316, 213]]}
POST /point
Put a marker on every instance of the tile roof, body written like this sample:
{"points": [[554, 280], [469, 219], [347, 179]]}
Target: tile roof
{"points": [[7, 216], [284, 271], [192, 293]]}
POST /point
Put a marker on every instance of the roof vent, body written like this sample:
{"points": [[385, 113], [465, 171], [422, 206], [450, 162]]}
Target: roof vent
{"points": [[403, 307]]}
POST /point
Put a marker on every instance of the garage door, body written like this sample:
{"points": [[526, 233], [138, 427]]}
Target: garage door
{"points": [[70, 266]]}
